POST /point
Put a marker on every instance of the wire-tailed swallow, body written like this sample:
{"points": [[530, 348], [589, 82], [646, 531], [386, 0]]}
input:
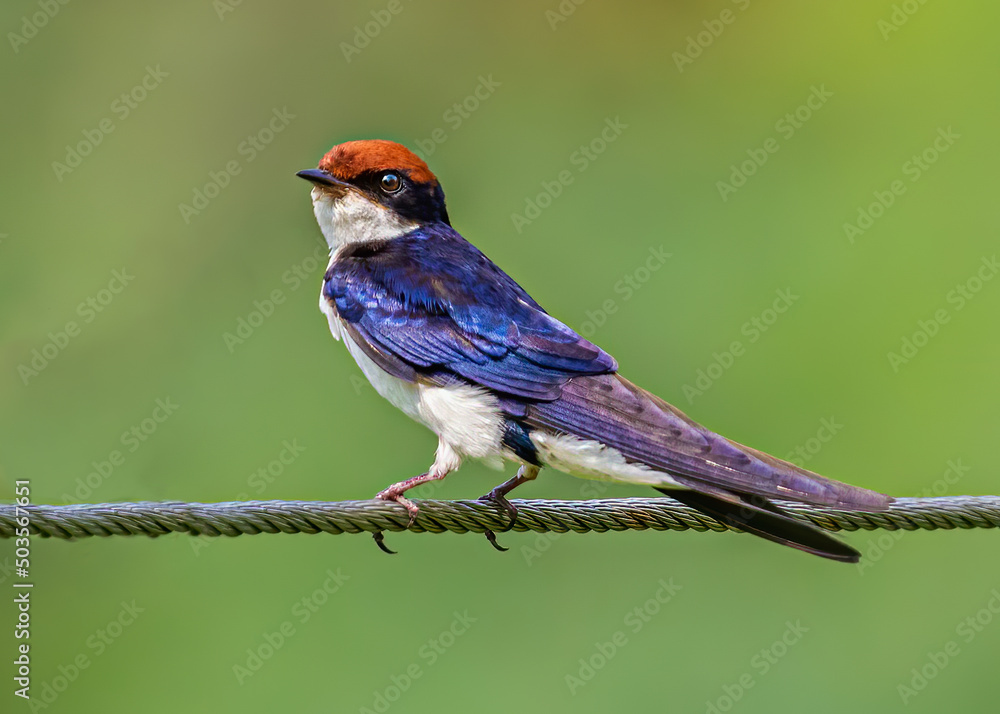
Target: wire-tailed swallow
{"points": [[450, 339]]}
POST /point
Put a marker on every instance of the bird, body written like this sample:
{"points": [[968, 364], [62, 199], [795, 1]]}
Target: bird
{"points": [[449, 338]]}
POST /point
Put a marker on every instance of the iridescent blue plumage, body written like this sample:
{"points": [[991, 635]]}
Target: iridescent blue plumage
{"points": [[431, 304], [453, 341]]}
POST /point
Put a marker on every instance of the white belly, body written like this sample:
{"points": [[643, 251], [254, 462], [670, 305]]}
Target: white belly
{"points": [[468, 422], [465, 418]]}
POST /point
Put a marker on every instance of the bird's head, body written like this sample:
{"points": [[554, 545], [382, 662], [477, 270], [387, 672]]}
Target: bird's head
{"points": [[373, 190]]}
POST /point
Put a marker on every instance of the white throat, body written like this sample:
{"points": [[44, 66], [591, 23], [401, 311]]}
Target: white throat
{"points": [[352, 218]]}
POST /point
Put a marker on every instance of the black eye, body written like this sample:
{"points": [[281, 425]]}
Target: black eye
{"points": [[391, 182]]}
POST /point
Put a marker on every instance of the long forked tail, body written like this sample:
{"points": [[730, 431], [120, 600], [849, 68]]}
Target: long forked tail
{"points": [[757, 515], [647, 430]]}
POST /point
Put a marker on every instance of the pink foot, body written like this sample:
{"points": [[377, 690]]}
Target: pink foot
{"points": [[396, 491]]}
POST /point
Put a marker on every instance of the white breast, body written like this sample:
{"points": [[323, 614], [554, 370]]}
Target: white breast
{"points": [[465, 418]]}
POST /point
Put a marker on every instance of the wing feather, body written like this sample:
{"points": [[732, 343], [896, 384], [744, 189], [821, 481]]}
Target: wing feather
{"points": [[648, 430], [430, 305]]}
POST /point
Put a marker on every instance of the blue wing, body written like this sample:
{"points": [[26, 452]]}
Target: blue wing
{"points": [[429, 305], [648, 430]]}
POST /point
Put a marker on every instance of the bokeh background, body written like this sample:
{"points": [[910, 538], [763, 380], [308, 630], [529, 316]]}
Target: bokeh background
{"points": [[695, 90]]}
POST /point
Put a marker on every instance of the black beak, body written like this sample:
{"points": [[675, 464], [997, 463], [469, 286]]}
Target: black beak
{"points": [[321, 178]]}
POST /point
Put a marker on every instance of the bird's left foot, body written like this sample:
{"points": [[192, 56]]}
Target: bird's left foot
{"points": [[395, 493], [390, 495]]}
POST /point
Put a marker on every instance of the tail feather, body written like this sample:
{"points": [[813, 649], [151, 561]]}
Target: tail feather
{"points": [[726, 480], [645, 429], [757, 515]]}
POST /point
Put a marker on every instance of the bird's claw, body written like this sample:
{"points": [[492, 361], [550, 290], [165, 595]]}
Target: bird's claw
{"points": [[496, 497], [396, 496], [501, 501], [412, 508], [379, 539], [492, 538]]}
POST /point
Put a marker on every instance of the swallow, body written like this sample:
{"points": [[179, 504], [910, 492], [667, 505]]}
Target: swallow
{"points": [[454, 342]]}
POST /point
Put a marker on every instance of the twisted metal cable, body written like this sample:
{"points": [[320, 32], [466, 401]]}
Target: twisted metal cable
{"points": [[619, 514]]}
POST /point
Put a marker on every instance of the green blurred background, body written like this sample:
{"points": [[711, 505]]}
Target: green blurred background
{"points": [[216, 73]]}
